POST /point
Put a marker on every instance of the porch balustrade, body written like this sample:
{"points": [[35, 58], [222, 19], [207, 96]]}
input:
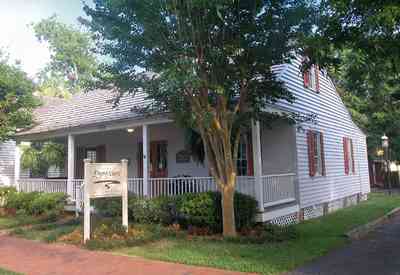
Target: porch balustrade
{"points": [[276, 189]]}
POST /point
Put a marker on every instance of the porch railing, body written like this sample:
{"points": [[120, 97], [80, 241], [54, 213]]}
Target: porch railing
{"points": [[43, 185], [278, 189], [275, 188]]}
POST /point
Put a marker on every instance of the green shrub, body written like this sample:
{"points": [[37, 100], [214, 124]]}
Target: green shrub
{"points": [[21, 201], [5, 192], [140, 210], [191, 209], [204, 209], [35, 203], [50, 204]]}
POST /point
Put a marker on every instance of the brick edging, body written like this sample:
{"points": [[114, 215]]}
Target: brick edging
{"points": [[362, 230]]}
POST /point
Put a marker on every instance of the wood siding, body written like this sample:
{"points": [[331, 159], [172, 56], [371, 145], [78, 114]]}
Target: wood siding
{"points": [[7, 153], [334, 121]]}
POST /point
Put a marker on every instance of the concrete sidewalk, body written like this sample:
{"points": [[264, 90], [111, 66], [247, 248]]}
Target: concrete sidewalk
{"points": [[34, 258]]}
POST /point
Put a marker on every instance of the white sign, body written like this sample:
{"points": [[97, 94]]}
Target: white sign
{"points": [[105, 180]]}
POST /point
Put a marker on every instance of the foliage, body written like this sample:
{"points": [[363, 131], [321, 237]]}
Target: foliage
{"points": [[191, 209], [16, 99], [314, 238], [5, 193], [207, 62], [369, 93], [35, 203], [72, 64], [39, 157]]}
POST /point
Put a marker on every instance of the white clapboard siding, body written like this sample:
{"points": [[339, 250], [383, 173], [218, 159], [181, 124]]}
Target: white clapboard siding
{"points": [[334, 121], [7, 153]]}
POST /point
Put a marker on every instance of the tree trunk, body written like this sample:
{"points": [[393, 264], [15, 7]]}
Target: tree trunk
{"points": [[228, 210]]}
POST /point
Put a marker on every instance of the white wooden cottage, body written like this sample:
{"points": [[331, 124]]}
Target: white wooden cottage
{"points": [[294, 171]]}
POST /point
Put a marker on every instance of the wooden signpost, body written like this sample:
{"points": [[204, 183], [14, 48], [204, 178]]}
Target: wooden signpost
{"points": [[104, 180]]}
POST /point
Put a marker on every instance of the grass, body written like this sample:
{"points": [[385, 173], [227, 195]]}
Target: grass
{"points": [[45, 232], [317, 237], [7, 272], [11, 222]]}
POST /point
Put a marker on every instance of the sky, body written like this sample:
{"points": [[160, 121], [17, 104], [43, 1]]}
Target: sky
{"points": [[18, 39]]}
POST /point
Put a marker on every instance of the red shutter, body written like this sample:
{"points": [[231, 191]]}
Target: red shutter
{"points": [[352, 156], [322, 154], [316, 68], [346, 156], [311, 153], [306, 78]]}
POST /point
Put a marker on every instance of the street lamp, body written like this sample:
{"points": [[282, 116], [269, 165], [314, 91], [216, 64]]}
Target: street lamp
{"points": [[385, 146]]}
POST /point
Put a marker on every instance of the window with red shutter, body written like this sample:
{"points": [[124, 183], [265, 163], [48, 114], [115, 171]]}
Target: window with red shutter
{"points": [[316, 68], [348, 155], [316, 155]]}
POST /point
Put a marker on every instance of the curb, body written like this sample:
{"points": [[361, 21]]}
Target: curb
{"points": [[362, 230]]}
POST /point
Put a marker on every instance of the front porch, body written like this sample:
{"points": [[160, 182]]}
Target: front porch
{"points": [[160, 165]]}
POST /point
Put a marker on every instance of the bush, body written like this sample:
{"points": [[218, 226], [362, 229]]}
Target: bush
{"points": [[204, 210], [21, 201], [35, 203], [5, 192], [50, 204], [191, 209]]}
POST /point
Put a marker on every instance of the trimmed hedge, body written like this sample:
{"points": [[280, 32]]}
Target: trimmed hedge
{"points": [[191, 209]]}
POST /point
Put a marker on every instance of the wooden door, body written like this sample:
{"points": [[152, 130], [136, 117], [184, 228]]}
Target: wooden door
{"points": [[158, 166]]}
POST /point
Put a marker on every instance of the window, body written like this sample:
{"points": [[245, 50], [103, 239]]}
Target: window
{"points": [[91, 154], [348, 155], [311, 78], [316, 156], [244, 163]]}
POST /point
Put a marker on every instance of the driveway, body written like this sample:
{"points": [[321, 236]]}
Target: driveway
{"points": [[34, 258], [378, 253]]}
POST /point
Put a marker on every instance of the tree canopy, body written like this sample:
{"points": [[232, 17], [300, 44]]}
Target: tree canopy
{"points": [[72, 63], [358, 40], [207, 62], [16, 98]]}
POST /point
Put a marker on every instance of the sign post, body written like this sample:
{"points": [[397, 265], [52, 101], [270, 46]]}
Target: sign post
{"points": [[104, 180]]}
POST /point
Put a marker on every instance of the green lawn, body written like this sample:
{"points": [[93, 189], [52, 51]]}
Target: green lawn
{"points": [[6, 272], [317, 237]]}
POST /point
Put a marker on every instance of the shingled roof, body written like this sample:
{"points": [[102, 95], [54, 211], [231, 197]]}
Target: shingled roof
{"points": [[83, 109]]}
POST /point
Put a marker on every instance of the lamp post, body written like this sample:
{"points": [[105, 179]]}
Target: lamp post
{"points": [[385, 146]]}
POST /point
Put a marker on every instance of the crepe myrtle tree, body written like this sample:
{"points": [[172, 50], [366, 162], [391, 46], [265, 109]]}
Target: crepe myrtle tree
{"points": [[207, 62]]}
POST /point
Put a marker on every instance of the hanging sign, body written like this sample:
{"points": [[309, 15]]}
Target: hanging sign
{"points": [[104, 180]]}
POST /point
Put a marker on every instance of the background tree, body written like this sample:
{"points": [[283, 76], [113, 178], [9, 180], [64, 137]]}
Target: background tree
{"points": [[16, 99], [206, 61], [370, 94], [72, 64]]}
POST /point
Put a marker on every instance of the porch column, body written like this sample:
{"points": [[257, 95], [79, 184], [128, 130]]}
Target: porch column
{"points": [[256, 140], [145, 161], [71, 165], [17, 166]]}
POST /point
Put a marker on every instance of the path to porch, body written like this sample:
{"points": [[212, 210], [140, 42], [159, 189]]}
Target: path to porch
{"points": [[57, 259]]}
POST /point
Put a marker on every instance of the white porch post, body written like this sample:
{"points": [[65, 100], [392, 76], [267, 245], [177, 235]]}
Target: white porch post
{"points": [[256, 140], [71, 165], [17, 166], [145, 161]]}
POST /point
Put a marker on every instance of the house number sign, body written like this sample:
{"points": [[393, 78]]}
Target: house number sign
{"points": [[104, 180]]}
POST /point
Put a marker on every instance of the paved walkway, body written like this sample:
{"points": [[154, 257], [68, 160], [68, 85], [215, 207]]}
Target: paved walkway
{"points": [[378, 254], [34, 258]]}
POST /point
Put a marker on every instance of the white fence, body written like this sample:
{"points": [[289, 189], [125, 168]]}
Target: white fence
{"points": [[276, 188]]}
